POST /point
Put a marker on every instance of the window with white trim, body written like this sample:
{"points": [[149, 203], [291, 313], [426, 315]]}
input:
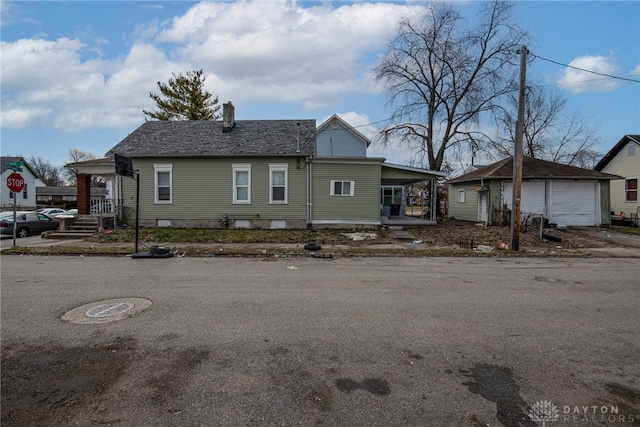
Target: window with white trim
{"points": [[342, 188], [163, 179], [241, 183], [631, 190], [462, 196], [24, 193], [278, 179]]}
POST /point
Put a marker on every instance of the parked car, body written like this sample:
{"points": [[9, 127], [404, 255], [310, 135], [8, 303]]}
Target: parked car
{"points": [[27, 223], [71, 213], [51, 212]]}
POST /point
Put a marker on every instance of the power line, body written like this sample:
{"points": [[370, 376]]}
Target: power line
{"points": [[532, 54], [585, 70]]}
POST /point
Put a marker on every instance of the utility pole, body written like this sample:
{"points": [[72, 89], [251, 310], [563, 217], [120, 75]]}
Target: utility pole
{"points": [[517, 155]]}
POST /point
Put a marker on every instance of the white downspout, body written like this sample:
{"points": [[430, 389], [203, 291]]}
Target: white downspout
{"points": [[309, 190]]}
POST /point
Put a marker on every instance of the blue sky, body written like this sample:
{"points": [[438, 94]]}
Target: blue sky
{"points": [[78, 74]]}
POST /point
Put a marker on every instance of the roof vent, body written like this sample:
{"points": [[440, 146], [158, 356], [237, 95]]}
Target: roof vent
{"points": [[228, 117]]}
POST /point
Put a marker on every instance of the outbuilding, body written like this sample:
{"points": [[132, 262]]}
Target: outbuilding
{"points": [[562, 194]]}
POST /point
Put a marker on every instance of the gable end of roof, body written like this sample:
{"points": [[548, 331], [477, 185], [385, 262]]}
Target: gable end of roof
{"points": [[615, 150]]}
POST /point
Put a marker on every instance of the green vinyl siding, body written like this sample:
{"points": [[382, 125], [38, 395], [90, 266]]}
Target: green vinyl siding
{"points": [[605, 202], [202, 188], [363, 206], [467, 211]]}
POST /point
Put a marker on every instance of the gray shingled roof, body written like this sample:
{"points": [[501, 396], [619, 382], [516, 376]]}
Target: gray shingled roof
{"points": [[531, 169], [201, 137]]}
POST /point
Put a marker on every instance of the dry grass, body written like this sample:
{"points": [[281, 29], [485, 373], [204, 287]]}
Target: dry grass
{"points": [[449, 232]]}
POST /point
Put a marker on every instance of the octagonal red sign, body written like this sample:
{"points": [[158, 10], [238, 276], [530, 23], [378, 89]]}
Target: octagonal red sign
{"points": [[15, 182]]}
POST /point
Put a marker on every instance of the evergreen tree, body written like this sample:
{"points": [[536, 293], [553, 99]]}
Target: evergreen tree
{"points": [[184, 98]]}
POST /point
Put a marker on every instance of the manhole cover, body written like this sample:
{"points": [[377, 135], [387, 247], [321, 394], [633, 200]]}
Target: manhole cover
{"points": [[111, 309], [107, 310]]}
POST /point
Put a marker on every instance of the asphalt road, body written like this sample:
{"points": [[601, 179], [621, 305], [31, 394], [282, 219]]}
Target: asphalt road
{"points": [[332, 342], [6, 241]]}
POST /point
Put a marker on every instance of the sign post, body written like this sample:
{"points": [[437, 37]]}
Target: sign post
{"points": [[15, 182], [124, 167]]}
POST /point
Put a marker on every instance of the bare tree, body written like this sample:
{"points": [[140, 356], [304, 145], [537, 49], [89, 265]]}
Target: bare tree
{"points": [[49, 174], [441, 74], [75, 155], [549, 133]]}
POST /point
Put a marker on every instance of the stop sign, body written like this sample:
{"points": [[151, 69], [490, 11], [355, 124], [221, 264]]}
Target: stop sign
{"points": [[15, 182]]}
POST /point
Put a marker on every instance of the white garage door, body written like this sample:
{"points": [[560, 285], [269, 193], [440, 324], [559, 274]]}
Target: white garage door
{"points": [[531, 197], [574, 203]]}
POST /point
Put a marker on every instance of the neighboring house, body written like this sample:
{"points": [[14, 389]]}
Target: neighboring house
{"points": [[255, 174], [89, 199], [624, 160], [563, 194], [26, 199], [54, 194]]}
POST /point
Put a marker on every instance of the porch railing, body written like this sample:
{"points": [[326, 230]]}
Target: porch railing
{"points": [[98, 205]]}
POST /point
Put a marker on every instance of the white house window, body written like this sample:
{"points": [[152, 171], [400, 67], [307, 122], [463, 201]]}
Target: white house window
{"points": [[631, 149], [241, 183], [163, 183], [631, 190], [342, 188], [462, 196], [278, 179], [24, 193]]}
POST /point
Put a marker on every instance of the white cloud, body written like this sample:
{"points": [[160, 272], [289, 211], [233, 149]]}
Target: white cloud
{"points": [[578, 81], [19, 118], [47, 82], [279, 51], [252, 52]]}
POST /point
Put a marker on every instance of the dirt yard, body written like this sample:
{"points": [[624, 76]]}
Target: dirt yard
{"points": [[451, 233]]}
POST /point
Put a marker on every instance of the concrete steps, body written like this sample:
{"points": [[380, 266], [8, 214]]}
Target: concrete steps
{"points": [[85, 223], [75, 228]]}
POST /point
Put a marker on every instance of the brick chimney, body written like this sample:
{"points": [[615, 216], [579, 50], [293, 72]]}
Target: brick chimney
{"points": [[228, 117]]}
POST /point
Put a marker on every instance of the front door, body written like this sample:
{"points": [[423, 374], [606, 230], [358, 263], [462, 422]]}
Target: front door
{"points": [[482, 205]]}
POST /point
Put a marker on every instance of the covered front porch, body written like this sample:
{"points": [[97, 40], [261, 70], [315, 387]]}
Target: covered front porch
{"points": [[104, 206], [393, 195]]}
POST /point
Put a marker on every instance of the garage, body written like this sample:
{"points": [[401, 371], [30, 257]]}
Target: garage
{"points": [[574, 203], [562, 202], [564, 194], [532, 198]]}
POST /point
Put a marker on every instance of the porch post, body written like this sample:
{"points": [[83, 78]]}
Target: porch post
{"points": [[84, 193]]}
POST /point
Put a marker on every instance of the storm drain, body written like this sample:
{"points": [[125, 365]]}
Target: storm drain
{"points": [[107, 310]]}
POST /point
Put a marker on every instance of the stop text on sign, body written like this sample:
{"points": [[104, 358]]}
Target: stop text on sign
{"points": [[15, 182]]}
